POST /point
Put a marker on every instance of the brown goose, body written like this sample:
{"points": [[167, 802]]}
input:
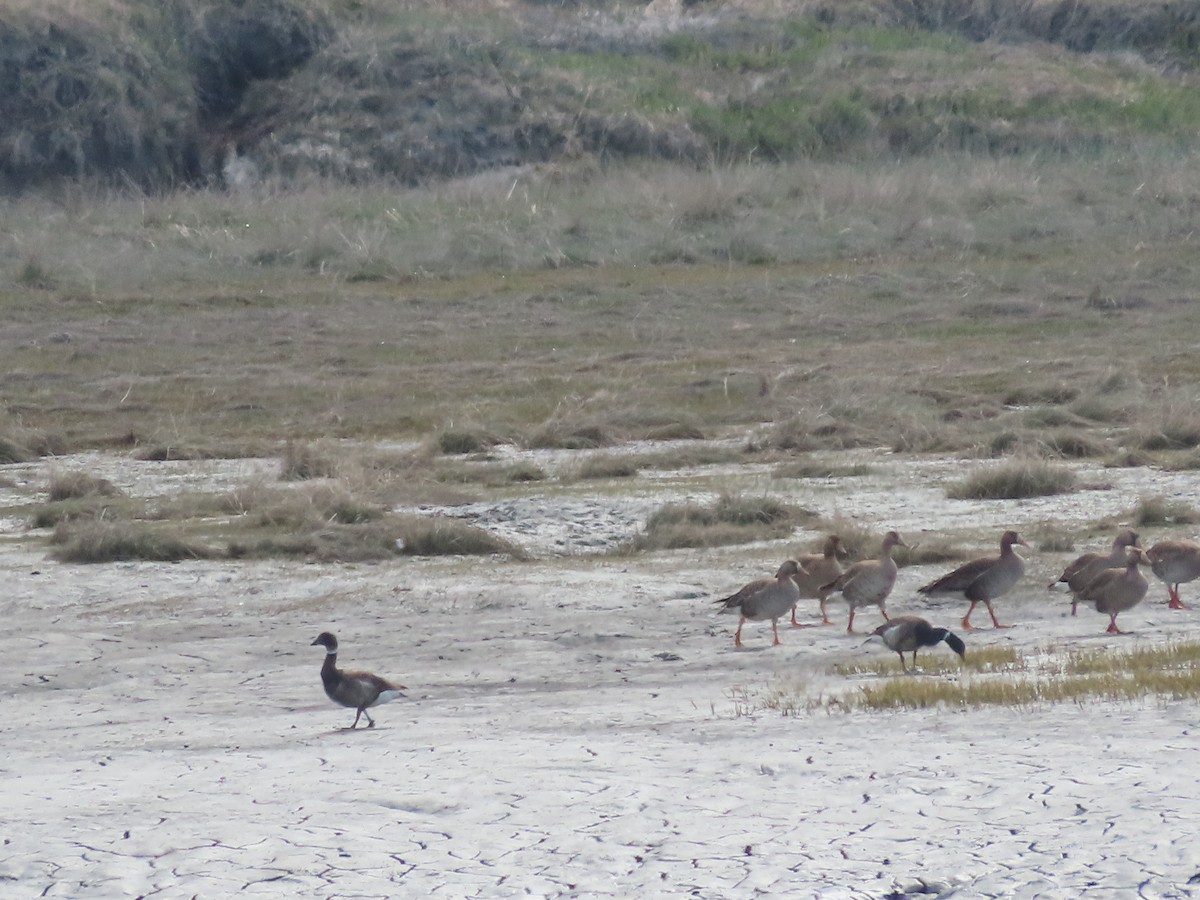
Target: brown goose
{"points": [[1115, 590], [354, 689], [867, 583], [982, 580], [1089, 565], [1175, 562], [765, 598], [822, 569], [910, 633]]}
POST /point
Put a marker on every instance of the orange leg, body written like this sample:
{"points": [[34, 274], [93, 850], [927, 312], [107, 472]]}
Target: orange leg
{"points": [[1175, 603], [775, 630], [883, 612], [1112, 626], [825, 620], [796, 624], [992, 613], [966, 622], [737, 635], [1074, 604], [850, 624]]}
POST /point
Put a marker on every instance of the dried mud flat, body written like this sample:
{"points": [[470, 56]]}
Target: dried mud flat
{"points": [[572, 725]]}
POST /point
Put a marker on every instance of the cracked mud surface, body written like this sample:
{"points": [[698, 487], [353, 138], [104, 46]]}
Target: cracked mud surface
{"points": [[569, 730]]}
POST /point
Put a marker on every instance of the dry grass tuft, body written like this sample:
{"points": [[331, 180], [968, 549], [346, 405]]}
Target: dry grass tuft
{"points": [[78, 485], [441, 536], [109, 541], [731, 520], [607, 466], [302, 461], [1160, 510], [461, 441], [491, 475], [820, 469], [1013, 481]]}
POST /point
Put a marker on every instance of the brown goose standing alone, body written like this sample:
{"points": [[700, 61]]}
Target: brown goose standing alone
{"points": [[1175, 562], [765, 598], [982, 580], [1115, 590], [358, 690], [1077, 575], [822, 569], [867, 583], [910, 633]]}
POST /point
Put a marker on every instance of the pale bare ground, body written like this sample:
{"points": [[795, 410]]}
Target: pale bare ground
{"points": [[574, 726]]}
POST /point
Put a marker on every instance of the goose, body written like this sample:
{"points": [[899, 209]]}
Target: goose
{"points": [[1115, 590], [1175, 562], [868, 583], [765, 598], [910, 633], [982, 580], [822, 568], [1089, 565], [350, 688]]}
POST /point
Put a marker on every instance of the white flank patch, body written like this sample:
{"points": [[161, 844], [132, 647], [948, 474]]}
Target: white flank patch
{"points": [[387, 697]]}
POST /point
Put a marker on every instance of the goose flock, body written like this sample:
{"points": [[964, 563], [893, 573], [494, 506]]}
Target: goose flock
{"points": [[1111, 582]]}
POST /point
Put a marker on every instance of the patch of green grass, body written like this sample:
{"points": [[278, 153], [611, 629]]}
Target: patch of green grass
{"points": [[1172, 655], [1014, 480], [1001, 676], [931, 661]]}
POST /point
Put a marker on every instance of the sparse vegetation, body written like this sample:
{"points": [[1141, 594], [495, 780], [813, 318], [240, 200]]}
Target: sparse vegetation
{"points": [[997, 676]]}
